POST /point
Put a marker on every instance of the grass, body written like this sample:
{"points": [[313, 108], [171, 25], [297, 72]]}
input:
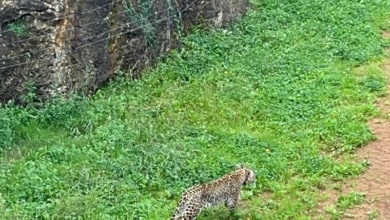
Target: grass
{"points": [[345, 202], [277, 92]]}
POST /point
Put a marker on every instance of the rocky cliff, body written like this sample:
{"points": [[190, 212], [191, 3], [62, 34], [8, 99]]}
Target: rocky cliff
{"points": [[58, 46]]}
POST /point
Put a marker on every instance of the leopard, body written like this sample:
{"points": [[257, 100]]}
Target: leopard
{"points": [[225, 190]]}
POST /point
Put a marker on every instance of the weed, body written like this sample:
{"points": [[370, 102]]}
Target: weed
{"points": [[18, 28], [350, 200], [139, 13], [7, 129], [30, 96], [345, 202], [373, 214]]}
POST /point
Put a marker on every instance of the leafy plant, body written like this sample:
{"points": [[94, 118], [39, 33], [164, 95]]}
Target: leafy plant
{"points": [[18, 28], [140, 14], [345, 202], [7, 129]]}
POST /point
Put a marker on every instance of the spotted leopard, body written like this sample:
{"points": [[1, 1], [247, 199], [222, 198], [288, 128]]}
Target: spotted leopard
{"points": [[225, 190]]}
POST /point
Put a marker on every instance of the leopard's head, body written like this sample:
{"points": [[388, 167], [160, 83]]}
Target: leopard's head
{"points": [[250, 176]]}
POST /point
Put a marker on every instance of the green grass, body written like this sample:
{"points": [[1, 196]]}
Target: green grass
{"points": [[277, 92], [345, 202]]}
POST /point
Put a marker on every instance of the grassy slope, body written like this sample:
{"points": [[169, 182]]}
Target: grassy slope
{"points": [[277, 93]]}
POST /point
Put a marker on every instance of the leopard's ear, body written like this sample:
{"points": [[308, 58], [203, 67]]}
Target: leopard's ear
{"points": [[239, 166]]}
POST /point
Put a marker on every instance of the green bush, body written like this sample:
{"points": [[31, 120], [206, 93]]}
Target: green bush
{"points": [[7, 129]]}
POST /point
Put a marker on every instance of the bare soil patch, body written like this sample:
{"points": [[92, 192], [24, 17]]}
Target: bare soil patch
{"points": [[386, 35]]}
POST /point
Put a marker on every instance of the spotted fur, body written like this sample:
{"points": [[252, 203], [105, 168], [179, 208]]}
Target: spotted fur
{"points": [[225, 190]]}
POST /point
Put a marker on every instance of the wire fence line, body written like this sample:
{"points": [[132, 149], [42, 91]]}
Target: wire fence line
{"points": [[85, 39], [74, 28], [69, 15], [99, 40]]}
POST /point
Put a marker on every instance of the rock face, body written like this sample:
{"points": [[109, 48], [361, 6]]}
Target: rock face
{"points": [[57, 46]]}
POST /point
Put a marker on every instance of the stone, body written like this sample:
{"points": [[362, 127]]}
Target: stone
{"points": [[51, 47]]}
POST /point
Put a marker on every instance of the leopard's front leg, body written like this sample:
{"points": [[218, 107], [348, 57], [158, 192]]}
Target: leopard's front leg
{"points": [[231, 202]]}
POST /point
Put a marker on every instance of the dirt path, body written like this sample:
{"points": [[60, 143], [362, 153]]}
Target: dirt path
{"points": [[375, 182]]}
